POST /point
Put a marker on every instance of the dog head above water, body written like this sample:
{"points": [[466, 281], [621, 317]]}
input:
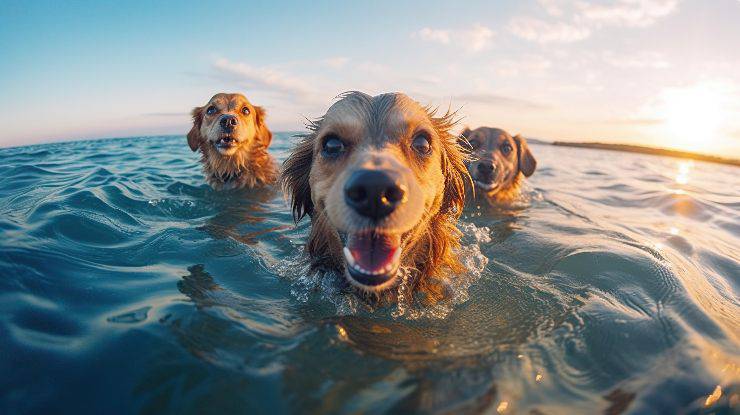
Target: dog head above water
{"points": [[233, 138], [383, 181], [498, 162]]}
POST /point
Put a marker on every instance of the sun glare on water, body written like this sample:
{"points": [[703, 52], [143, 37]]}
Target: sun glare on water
{"points": [[693, 117]]}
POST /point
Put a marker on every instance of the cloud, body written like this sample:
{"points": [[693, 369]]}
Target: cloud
{"points": [[634, 121], [262, 78], [434, 35], [166, 114], [541, 31], [634, 13], [337, 62], [553, 7], [476, 38], [473, 39], [641, 60], [498, 100], [523, 65], [572, 21]]}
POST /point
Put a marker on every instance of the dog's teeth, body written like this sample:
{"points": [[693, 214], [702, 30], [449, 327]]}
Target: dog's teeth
{"points": [[396, 256], [348, 256]]}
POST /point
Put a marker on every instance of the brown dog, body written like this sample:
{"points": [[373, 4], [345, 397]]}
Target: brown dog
{"points": [[233, 138], [383, 181], [499, 161]]}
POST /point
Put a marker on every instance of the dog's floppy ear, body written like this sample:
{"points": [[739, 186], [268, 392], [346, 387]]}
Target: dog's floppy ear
{"points": [[294, 178], [263, 133], [194, 137], [527, 162]]}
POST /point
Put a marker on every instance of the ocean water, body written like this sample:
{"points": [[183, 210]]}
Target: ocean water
{"points": [[128, 286]]}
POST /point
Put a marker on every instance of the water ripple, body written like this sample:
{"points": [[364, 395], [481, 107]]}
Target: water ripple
{"points": [[612, 286]]}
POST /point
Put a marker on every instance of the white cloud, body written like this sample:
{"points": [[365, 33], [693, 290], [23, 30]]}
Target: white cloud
{"points": [[498, 100], [434, 35], [541, 31], [640, 60], [635, 13], [571, 21], [262, 77], [554, 7], [337, 62], [475, 38], [524, 65]]}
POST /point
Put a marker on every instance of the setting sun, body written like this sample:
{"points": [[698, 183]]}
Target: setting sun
{"points": [[693, 117]]}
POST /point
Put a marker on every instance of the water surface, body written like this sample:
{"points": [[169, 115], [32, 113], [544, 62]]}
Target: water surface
{"points": [[128, 286]]}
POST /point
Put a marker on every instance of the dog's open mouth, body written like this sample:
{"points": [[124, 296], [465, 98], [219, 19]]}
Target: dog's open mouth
{"points": [[486, 186], [372, 259], [226, 142]]}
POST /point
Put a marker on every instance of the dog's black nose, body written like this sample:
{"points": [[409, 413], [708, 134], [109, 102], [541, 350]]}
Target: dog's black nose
{"points": [[486, 167], [374, 193], [228, 122]]}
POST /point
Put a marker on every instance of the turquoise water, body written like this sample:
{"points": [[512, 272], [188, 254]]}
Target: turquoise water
{"points": [[128, 286]]}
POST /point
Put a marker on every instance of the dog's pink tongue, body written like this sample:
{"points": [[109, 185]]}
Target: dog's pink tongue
{"points": [[373, 252]]}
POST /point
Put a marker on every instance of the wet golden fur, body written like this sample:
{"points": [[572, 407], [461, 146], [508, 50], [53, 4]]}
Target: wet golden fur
{"points": [[430, 243], [248, 164]]}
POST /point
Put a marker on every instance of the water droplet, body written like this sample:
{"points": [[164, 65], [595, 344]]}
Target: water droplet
{"points": [[714, 397]]}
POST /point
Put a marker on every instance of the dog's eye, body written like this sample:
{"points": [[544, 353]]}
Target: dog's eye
{"points": [[211, 110], [421, 144], [474, 144], [333, 146], [506, 148], [245, 110]]}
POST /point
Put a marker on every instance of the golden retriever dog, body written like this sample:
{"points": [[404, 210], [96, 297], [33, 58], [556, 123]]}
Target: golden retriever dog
{"points": [[232, 137], [499, 161], [383, 181]]}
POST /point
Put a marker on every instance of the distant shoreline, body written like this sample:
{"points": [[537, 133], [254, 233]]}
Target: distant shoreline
{"points": [[629, 148]]}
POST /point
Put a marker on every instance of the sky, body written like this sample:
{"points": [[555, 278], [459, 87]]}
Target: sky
{"points": [[662, 73]]}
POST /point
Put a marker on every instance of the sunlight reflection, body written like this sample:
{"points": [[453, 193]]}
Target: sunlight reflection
{"points": [[714, 396], [684, 168], [674, 230]]}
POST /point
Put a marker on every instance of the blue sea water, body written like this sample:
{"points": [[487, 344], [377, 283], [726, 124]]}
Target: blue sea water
{"points": [[128, 286]]}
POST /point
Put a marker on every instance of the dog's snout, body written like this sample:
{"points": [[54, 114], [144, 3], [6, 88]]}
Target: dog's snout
{"points": [[228, 122], [374, 193], [486, 167]]}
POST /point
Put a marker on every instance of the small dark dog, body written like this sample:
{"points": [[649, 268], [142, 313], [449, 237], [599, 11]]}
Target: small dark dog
{"points": [[232, 137], [498, 163]]}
